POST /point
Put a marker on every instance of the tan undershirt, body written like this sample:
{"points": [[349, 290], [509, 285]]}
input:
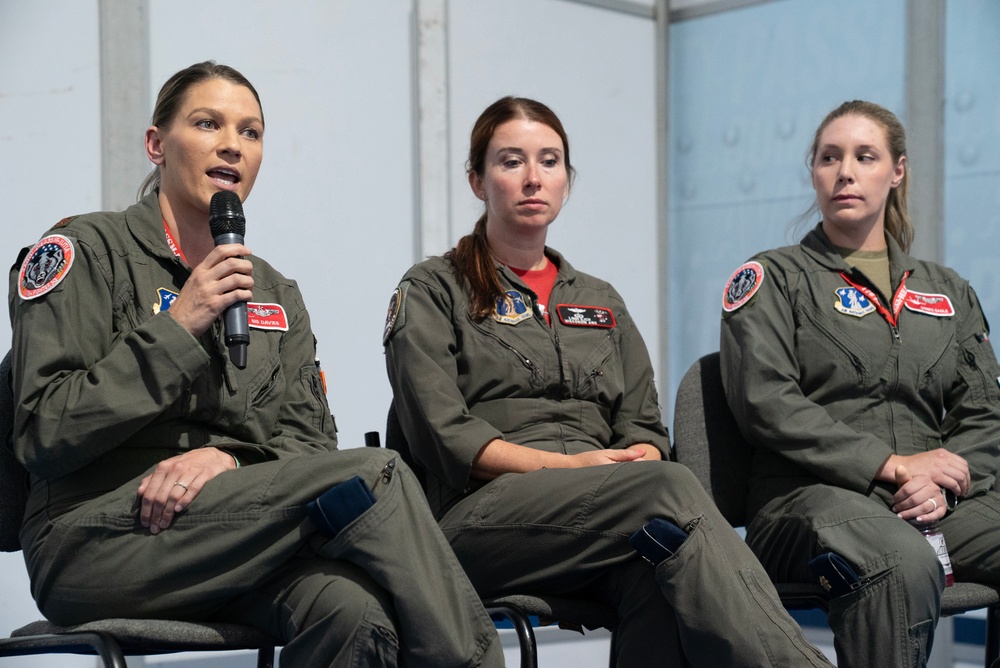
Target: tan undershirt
{"points": [[874, 264]]}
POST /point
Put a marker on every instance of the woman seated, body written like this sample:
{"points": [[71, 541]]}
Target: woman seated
{"points": [[526, 395], [167, 480], [866, 381]]}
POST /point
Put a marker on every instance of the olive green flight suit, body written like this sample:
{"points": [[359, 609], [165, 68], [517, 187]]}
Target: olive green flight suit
{"points": [[826, 389], [583, 384], [107, 384]]}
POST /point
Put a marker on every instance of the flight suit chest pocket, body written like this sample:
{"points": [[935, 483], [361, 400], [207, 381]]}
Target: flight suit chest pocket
{"points": [[828, 348], [600, 375], [266, 388]]}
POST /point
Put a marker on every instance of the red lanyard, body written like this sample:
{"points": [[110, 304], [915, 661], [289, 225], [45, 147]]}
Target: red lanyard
{"points": [[172, 243], [891, 317]]}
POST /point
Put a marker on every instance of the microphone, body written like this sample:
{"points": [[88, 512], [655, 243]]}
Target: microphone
{"points": [[227, 223]]}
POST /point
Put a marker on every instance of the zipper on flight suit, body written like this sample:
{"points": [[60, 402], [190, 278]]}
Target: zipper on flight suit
{"points": [[970, 359], [524, 359], [385, 475]]}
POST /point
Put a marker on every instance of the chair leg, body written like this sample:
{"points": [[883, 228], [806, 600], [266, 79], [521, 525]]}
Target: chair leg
{"points": [[79, 642], [522, 627], [265, 657], [992, 636]]}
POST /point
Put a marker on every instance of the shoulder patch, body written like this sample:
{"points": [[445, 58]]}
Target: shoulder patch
{"points": [[393, 312], [267, 316], [45, 266], [742, 286], [929, 304], [512, 308], [576, 315], [64, 222]]}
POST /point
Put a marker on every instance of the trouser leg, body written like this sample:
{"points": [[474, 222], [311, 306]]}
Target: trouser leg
{"points": [[399, 544], [556, 530], [326, 613], [972, 532], [648, 632], [243, 527], [890, 620]]}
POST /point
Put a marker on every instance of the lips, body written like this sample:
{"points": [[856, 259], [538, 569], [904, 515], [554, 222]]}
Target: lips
{"points": [[224, 176]]}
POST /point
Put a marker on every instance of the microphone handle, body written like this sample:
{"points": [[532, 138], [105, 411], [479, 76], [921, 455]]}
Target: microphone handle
{"points": [[237, 328]]}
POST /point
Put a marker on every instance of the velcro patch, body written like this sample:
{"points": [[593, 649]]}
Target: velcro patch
{"points": [[392, 314], [512, 308], [851, 301], [164, 298], [742, 286], [267, 316], [576, 315], [45, 266], [929, 304]]}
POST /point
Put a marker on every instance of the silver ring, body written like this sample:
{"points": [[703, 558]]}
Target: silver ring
{"points": [[185, 488], [931, 500]]}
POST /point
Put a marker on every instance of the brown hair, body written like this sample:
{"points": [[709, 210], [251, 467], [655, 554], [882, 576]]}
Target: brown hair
{"points": [[897, 215], [471, 256], [172, 94]]}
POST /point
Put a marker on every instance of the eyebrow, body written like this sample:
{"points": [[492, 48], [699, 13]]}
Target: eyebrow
{"points": [[862, 147], [215, 112], [517, 149]]}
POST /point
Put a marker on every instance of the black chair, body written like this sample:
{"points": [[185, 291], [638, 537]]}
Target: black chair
{"points": [[110, 639], [708, 441], [574, 614]]}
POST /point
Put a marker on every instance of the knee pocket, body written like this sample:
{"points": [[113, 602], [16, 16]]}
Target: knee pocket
{"points": [[375, 643]]}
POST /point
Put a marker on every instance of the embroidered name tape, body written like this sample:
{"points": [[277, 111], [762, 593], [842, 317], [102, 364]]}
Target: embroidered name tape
{"points": [[576, 315], [267, 316], [937, 305], [45, 266]]}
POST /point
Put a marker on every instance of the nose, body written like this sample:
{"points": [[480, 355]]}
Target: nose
{"points": [[531, 180], [229, 142], [846, 174]]}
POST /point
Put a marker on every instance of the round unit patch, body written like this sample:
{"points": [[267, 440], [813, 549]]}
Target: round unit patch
{"points": [[45, 266], [742, 285], [395, 302]]}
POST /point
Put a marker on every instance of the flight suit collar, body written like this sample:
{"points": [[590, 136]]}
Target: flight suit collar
{"points": [[818, 246], [145, 222], [566, 273]]}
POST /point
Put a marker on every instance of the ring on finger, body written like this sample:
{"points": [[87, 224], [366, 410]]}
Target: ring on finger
{"points": [[931, 500], [180, 484]]}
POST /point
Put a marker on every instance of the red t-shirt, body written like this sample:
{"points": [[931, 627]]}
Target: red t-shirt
{"points": [[541, 282]]}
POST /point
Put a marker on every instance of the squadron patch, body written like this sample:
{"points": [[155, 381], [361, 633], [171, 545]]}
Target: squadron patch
{"points": [[392, 314], [164, 299], [267, 316], [742, 286], [937, 305], [575, 315], [512, 308], [45, 266], [851, 301]]}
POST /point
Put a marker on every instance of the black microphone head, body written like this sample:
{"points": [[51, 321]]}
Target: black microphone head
{"points": [[225, 214]]}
